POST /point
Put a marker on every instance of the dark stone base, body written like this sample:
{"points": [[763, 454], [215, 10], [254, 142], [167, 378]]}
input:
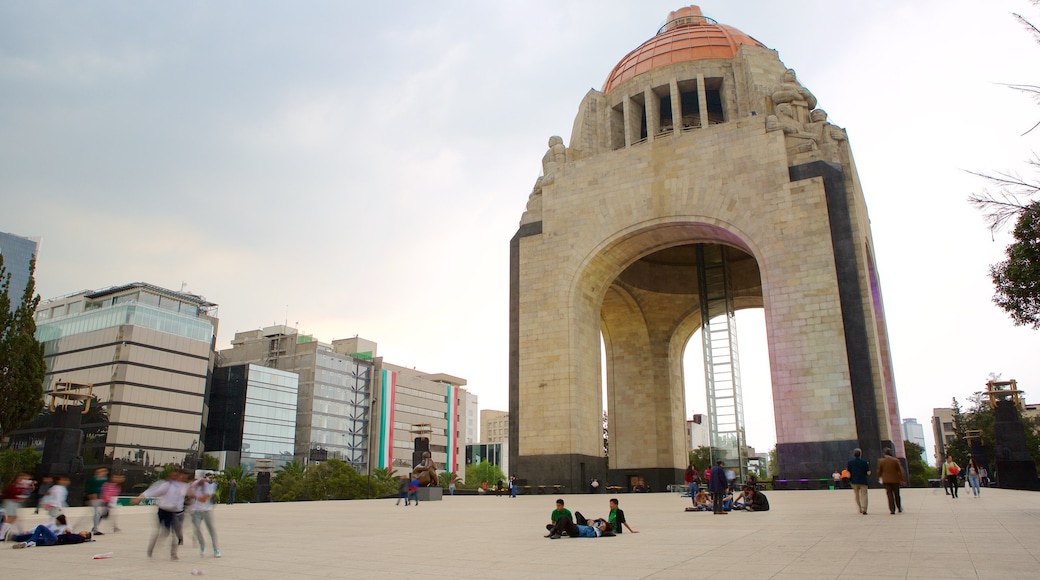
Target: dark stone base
{"points": [[1017, 475], [657, 478], [572, 472], [819, 459], [431, 493]]}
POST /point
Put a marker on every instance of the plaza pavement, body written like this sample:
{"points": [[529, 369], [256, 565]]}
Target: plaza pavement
{"points": [[807, 534]]}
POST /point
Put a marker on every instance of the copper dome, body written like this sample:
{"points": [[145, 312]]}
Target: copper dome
{"points": [[686, 35]]}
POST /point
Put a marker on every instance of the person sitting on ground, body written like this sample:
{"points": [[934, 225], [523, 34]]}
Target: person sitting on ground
{"points": [[562, 521], [617, 518], [702, 502], [757, 501], [54, 533]]}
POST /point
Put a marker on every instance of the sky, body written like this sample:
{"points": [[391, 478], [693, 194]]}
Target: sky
{"points": [[358, 169]]}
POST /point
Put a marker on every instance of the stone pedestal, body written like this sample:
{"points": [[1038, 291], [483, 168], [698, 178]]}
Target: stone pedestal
{"points": [[431, 493]]}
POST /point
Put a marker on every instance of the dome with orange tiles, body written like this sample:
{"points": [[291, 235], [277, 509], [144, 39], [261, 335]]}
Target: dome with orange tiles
{"points": [[686, 35]]}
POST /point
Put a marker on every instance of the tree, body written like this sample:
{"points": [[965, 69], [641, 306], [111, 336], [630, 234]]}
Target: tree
{"points": [[14, 462], [701, 458], [246, 483], [920, 471], [287, 483], [22, 367], [481, 472], [1018, 279], [333, 479], [980, 417], [774, 464], [210, 462]]}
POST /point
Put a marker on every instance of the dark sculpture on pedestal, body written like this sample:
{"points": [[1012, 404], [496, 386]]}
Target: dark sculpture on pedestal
{"points": [[426, 471]]}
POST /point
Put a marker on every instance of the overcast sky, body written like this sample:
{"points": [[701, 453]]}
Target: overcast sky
{"points": [[359, 168]]}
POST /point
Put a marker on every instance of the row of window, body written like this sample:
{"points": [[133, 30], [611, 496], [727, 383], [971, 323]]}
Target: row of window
{"points": [[134, 314]]}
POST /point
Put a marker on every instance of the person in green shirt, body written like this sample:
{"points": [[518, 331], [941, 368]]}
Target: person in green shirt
{"points": [[94, 496], [617, 517], [562, 521]]}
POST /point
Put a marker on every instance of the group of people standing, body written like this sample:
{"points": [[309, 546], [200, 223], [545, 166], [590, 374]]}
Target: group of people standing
{"points": [[173, 496]]}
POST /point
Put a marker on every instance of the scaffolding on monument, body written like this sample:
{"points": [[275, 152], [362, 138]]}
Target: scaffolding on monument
{"points": [[721, 364]]}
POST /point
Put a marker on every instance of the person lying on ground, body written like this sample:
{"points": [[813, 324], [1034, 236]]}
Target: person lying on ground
{"points": [[54, 533]]}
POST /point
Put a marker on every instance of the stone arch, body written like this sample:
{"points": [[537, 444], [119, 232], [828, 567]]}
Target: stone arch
{"points": [[647, 422]]}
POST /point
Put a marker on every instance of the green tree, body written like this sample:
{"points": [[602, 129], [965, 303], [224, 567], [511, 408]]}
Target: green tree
{"points": [[701, 458], [287, 483], [979, 417], [210, 462], [246, 484], [1017, 279], [334, 479], [481, 472], [445, 478], [22, 367], [14, 462], [920, 471], [774, 464]]}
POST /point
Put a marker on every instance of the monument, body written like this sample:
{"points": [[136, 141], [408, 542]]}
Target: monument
{"points": [[702, 179]]}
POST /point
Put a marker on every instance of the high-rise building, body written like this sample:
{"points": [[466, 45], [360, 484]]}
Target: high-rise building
{"points": [[18, 253], [334, 393], [494, 426], [146, 353], [252, 415], [943, 428], [913, 432], [414, 405], [473, 425], [697, 432]]}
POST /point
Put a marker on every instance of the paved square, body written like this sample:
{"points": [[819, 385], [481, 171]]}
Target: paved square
{"points": [[808, 534]]}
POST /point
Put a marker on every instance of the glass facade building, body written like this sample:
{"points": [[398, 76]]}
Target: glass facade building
{"points": [[147, 353], [252, 412], [335, 391], [18, 253]]}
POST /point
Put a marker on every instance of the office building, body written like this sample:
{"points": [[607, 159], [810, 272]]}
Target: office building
{"points": [[335, 388], [494, 426], [18, 253], [913, 432], [252, 415], [416, 405], [944, 431], [146, 353]]}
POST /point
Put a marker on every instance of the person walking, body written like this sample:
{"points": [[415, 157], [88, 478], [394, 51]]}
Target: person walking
{"points": [[859, 471], [512, 486], [201, 492], [15, 495], [169, 496], [110, 497], [413, 490], [402, 491], [973, 476], [717, 487], [890, 470], [950, 469], [93, 491], [232, 490]]}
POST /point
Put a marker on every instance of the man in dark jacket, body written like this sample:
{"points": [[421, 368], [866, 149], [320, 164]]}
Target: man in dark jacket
{"points": [[717, 487], [859, 471]]}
